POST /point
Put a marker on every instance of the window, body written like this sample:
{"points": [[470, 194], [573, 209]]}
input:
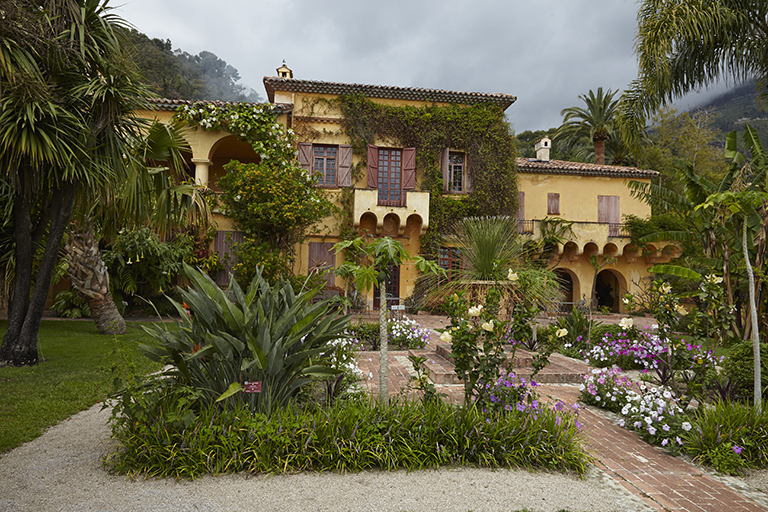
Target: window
{"points": [[608, 213], [450, 260], [553, 204], [392, 172], [325, 164], [332, 163], [456, 171], [453, 165]]}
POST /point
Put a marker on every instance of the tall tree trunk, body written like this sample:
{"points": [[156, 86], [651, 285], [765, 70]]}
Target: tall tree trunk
{"points": [[20, 342], [758, 392], [89, 276], [383, 362], [599, 151]]}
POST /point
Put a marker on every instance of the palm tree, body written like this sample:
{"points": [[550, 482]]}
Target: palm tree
{"points": [[150, 196], [684, 45], [65, 118], [594, 123]]}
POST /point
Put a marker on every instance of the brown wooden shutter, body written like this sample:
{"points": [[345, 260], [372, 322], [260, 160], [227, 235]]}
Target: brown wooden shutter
{"points": [[373, 166], [305, 156], [344, 175], [409, 168], [223, 244], [469, 185], [444, 166], [553, 203], [322, 256]]}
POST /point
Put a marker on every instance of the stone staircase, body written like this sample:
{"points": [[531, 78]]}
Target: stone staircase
{"points": [[561, 370]]}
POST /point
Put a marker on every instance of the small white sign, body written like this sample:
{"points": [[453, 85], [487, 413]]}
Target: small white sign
{"points": [[398, 307]]}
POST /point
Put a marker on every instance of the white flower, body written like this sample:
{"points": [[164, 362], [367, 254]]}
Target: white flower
{"points": [[625, 300], [475, 310], [488, 326], [627, 323], [561, 332], [713, 279], [512, 276], [665, 288], [681, 310], [686, 426], [446, 337]]}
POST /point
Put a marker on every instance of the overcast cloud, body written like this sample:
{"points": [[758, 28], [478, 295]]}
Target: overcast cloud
{"points": [[545, 53]]}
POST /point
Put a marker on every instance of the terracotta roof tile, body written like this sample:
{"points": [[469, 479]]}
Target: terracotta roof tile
{"points": [[272, 84], [533, 166], [168, 104]]}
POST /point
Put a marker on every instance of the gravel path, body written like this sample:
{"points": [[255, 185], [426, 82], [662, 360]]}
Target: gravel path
{"points": [[61, 471]]}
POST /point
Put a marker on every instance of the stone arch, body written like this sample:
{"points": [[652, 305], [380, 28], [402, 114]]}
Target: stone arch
{"points": [[413, 226], [610, 287], [570, 287], [390, 225], [571, 251], [610, 250], [591, 249], [225, 150], [367, 224]]}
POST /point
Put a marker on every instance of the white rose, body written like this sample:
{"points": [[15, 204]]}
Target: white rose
{"points": [[475, 310], [626, 323], [488, 326], [446, 337], [512, 276], [561, 332]]}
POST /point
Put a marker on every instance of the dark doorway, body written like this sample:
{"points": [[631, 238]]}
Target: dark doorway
{"points": [[392, 289]]}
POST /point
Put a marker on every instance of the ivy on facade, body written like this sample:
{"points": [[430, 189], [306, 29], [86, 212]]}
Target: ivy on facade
{"points": [[481, 131]]}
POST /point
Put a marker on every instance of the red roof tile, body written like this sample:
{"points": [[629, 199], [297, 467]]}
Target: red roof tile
{"points": [[533, 166], [272, 84], [168, 104]]}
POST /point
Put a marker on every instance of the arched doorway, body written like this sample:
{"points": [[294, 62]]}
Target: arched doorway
{"points": [[610, 287], [565, 282]]}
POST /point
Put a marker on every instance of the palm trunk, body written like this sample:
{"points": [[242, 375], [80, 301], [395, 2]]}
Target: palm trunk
{"points": [[758, 392], [599, 151], [19, 346], [383, 368], [89, 276]]}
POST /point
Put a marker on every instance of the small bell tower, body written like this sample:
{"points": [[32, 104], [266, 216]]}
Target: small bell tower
{"points": [[284, 71]]}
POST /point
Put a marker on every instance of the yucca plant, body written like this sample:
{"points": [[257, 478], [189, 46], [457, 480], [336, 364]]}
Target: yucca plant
{"points": [[266, 334]]}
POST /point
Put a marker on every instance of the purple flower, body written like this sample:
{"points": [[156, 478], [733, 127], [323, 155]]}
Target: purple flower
{"points": [[738, 449]]}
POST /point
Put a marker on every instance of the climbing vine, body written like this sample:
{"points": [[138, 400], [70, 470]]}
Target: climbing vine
{"points": [[479, 130]]}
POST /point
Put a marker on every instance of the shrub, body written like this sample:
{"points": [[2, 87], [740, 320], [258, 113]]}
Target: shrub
{"points": [[729, 436], [606, 388], [70, 304], [739, 366], [352, 435], [266, 334], [579, 328], [367, 333], [408, 334]]}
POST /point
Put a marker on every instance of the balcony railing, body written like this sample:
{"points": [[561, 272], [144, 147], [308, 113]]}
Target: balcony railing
{"points": [[615, 230]]}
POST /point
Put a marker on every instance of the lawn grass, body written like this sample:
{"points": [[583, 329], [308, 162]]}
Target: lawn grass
{"points": [[75, 374]]}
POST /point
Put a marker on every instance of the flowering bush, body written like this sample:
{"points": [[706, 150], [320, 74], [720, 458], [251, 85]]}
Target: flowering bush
{"points": [[344, 358], [606, 388], [656, 415], [408, 334]]}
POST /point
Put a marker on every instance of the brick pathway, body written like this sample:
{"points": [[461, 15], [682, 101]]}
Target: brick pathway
{"points": [[662, 481]]}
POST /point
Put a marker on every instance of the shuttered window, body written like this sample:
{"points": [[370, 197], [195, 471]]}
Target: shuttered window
{"points": [[553, 203], [322, 258], [332, 164], [223, 244], [453, 166], [393, 172], [608, 213]]}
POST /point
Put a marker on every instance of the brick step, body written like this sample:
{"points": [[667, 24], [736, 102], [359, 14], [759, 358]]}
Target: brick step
{"points": [[439, 369]]}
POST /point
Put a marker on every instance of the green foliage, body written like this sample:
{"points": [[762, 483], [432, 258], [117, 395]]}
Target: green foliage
{"points": [[70, 304], [479, 130], [265, 333], [272, 203], [591, 126], [352, 435], [367, 333], [729, 436], [580, 329], [176, 74], [140, 264], [74, 376], [739, 366]]}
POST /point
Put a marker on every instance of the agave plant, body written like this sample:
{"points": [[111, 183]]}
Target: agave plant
{"points": [[266, 334]]}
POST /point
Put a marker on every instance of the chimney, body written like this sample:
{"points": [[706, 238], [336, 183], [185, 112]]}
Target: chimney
{"points": [[284, 71], [542, 148]]}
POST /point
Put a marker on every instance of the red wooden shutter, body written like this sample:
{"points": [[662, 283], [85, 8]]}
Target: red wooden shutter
{"points": [[553, 203], [305, 156], [444, 166], [373, 166], [409, 168], [344, 175]]}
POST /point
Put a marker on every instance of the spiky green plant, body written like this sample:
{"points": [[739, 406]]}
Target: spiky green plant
{"points": [[266, 334]]}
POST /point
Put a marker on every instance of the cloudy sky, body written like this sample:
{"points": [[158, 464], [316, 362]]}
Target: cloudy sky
{"points": [[545, 53]]}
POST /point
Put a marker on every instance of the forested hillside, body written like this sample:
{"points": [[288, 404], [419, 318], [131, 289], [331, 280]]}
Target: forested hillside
{"points": [[176, 74]]}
